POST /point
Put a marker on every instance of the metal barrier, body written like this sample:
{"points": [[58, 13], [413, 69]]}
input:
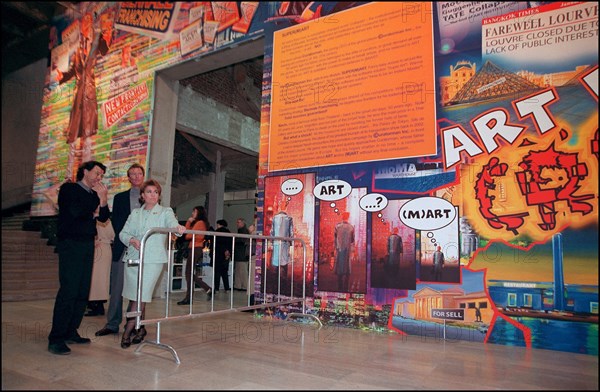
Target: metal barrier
{"points": [[268, 299]]}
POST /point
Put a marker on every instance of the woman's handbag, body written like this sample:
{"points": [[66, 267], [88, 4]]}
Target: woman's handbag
{"points": [[206, 259]]}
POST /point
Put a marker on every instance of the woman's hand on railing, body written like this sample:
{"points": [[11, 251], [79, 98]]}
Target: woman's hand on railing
{"points": [[180, 229]]}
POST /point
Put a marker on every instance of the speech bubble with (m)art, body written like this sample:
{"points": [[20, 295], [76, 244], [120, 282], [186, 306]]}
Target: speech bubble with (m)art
{"points": [[427, 213]]}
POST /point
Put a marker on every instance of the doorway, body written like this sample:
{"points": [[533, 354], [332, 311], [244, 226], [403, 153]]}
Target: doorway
{"points": [[206, 124]]}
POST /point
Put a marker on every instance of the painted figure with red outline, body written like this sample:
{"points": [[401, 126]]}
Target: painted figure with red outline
{"points": [[550, 176], [485, 183]]}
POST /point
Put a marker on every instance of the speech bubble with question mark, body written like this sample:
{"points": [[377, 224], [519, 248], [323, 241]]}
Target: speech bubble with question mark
{"points": [[373, 202]]}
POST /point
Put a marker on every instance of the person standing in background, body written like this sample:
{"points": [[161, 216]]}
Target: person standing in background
{"points": [[198, 221], [99, 288], [76, 233], [222, 256], [123, 204], [240, 257]]}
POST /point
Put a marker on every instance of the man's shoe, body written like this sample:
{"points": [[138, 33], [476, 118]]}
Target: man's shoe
{"points": [[59, 348], [76, 339], [105, 331], [185, 301]]}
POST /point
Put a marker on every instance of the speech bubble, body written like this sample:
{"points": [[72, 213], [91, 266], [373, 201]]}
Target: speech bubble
{"points": [[292, 187], [431, 237], [373, 202], [332, 190], [427, 213]]}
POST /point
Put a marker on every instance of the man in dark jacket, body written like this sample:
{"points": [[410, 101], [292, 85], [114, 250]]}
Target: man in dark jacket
{"points": [[123, 203], [76, 234], [222, 256], [241, 254]]}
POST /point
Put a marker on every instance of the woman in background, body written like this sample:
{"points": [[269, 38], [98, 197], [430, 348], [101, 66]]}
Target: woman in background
{"points": [[99, 288], [198, 221]]}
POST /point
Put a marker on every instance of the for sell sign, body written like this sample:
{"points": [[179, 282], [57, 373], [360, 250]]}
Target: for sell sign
{"points": [[448, 314]]}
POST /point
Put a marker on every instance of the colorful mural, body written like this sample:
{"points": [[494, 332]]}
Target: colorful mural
{"points": [[114, 50], [509, 196], [466, 128]]}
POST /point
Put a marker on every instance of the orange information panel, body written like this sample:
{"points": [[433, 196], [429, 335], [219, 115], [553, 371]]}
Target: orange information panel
{"points": [[355, 86]]}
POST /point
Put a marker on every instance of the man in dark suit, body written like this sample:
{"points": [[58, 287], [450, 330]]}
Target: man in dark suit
{"points": [[222, 256], [123, 204], [78, 203]]}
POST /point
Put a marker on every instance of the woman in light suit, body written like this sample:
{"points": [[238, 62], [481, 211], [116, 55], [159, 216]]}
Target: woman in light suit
{"points": [[150, 214]]}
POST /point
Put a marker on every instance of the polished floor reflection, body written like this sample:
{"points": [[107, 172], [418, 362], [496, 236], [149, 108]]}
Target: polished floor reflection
{"points": [[239, 350]]}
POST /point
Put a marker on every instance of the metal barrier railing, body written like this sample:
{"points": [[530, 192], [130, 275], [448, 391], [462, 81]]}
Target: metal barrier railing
{"points": [[267, 300]]}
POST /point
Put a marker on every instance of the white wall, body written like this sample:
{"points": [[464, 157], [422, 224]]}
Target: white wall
{"points": [[184, 210], [238, 209]]}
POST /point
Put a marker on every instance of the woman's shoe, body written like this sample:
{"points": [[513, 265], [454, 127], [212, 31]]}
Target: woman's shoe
{"points": [[139, 335], [185, 301], [208, 294], [126, 340]]}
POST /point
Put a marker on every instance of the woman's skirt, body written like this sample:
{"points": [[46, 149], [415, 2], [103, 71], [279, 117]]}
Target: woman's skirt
{"points": [[151, 274]]}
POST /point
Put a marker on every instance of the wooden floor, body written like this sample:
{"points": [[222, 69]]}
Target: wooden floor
{"points": [[239, 350]]}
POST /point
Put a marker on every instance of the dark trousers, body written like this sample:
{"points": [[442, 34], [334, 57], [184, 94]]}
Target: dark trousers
{"points": [[75, 262], [221, 274], [114, 315], [196, 278]]}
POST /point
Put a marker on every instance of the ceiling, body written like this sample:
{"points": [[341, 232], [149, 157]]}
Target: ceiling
{"points": [[25, 31], [194, 155]]}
